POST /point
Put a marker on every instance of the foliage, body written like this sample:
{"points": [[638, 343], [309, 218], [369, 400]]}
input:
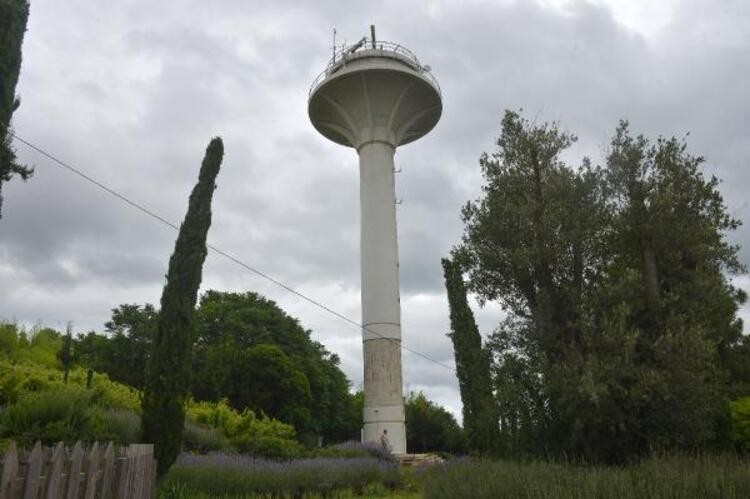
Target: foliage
{"points": [[65, 355], [237, 332], [256, 336], [740, 411], [168, 372], [226, 474], [14, 15], [472, 367], [622, 335], [202, 439], [38, 346], [263, 437], [123, 426], [430, 428], [21, 378], [121, 353], [66, 414], [677, 476]]}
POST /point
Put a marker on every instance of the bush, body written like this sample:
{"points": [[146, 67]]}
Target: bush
{"points": [[19, 379], [199, 438], [66, 415], [262, 437], [217, 475], [740, 411], [121, 426]]}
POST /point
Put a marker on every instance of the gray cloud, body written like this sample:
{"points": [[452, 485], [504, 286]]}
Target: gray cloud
{"points": [[133, 92]]}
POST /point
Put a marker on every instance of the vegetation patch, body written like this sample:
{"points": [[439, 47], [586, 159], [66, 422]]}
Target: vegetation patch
{"points": [[221, 474], [723, 477]]}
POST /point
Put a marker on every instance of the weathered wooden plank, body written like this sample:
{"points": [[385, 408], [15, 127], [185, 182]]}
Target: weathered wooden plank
{"points": [[123, 477], [92, 472], [55, 480], [139, 459], [108, 473], [127, 473], [10, 472], [74, 473], [33, 472]]}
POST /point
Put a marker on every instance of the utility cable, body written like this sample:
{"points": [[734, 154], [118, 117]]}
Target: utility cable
{"points": [[221, 252]]}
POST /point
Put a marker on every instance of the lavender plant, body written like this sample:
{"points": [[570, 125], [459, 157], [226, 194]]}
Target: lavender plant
{"points": [[218, 474]]}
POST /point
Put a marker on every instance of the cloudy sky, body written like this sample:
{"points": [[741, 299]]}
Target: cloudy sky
{"points": [[131, 91]]}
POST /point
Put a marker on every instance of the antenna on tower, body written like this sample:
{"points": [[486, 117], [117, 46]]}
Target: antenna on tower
{"points": [[372, 35], [334, 45]]}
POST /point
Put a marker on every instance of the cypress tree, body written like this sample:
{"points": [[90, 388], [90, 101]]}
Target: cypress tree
{"points": [[66, 355], [14, 15], [168, 371], [472, 367]]}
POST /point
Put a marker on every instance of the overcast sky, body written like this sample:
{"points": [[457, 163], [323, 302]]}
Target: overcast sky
{"points": [[131, 92]]}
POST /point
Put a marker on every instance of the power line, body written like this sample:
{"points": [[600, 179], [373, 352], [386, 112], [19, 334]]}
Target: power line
{"points": [[221, 252]]}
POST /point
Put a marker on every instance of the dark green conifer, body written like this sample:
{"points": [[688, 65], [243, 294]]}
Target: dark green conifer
{"points": [[14, 15], [472, 367], [168, 371], [65, 355]]}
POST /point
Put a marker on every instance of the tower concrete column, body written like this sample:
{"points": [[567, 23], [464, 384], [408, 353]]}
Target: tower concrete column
{"points": [[381, 308]]}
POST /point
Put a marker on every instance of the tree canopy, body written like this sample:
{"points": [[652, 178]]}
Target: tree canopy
{"points": [[14, 14], [622, 333]]}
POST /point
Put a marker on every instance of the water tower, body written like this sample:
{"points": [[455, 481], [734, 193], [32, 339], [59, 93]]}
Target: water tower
{"points": [[374, 96]]}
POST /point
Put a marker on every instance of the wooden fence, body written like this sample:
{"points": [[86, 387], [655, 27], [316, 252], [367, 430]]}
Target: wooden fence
{"points": [[60, 473]]}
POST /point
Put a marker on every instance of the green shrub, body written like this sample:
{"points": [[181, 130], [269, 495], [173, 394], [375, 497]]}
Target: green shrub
{"points": [[200, 438], [263, 437], [39, 346], [21, 378], [268, 447], [67, 414], [740, 411], [121, 426]]}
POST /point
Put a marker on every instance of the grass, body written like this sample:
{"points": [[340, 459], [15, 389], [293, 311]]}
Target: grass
{"points": [[725, 477]]}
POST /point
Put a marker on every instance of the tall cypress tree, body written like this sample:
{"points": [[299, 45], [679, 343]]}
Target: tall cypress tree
{"points": [[14, 15], [472, 367], [168, 372]]}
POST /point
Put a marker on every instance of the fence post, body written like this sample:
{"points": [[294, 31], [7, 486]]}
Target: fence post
{"points": [[108, 472], [10, 471], [100, 475], [74, 475], [55, 479], [123, 477], [92, 472], [33, 472]]}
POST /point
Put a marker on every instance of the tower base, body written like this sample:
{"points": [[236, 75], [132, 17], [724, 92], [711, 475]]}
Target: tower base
{"points": [[396, 429]]}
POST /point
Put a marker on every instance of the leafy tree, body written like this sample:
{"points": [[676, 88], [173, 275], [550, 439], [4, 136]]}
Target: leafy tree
{"points": [[472, 367], [123, 353], [168, 372], [66, 354], [229, 324], [622, 334], [430, 428], [14, 15]]}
